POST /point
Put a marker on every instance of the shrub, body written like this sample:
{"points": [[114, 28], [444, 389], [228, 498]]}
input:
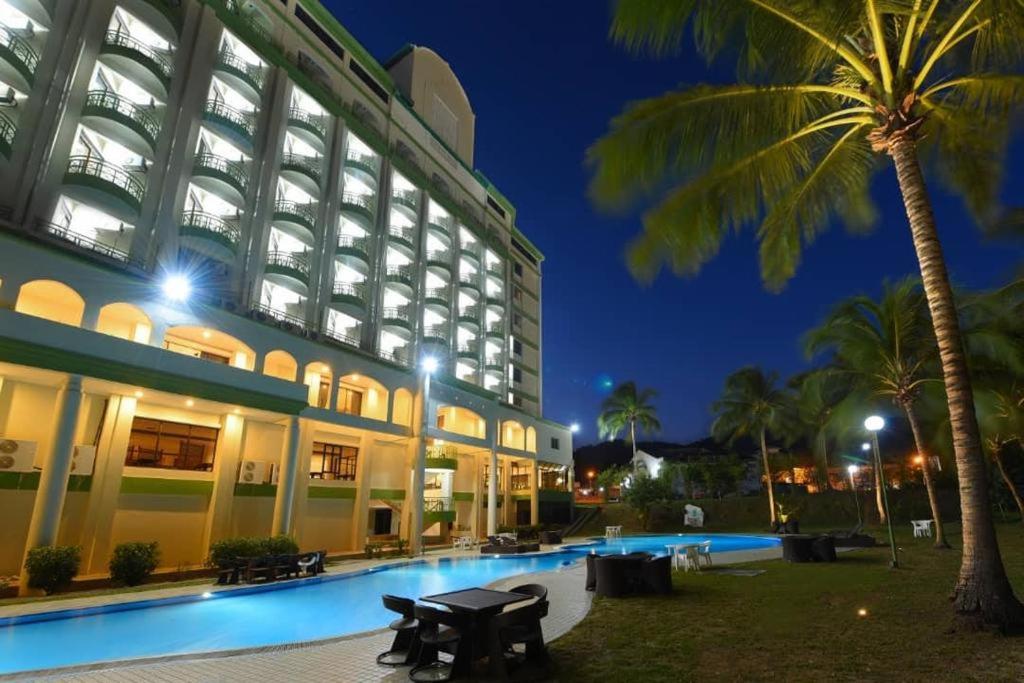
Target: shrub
{"points": [[373, 550], [51, 567], [280, 545], [131, 563], [225, 551]]}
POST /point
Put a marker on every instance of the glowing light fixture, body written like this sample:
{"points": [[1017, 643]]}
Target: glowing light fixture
{"points": [[574, 427], [189, 403], [865, 446], [874, 423], [862, 612], [852, 469], [429, 365], [177, 287], [139, 394]]}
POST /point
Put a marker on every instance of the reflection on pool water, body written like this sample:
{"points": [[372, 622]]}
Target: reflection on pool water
{"points": [[279, 613]]}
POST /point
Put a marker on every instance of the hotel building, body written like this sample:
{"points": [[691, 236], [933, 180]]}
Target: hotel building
{"points": [[229, 241]]}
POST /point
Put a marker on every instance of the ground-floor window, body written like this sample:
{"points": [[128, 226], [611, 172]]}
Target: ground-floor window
{"points": [[520, 478], [350, 401], [381, 521], [333, 461], [487, 475], [171, 445]]}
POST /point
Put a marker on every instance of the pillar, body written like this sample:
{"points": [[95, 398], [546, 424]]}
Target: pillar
{"points": [[286, 480], [534, 494], [300, 495], [105, 489], [419, 465], [361, 505], [53, 481], [225, 474], [507, 503], [474, 519], [492, 492]]}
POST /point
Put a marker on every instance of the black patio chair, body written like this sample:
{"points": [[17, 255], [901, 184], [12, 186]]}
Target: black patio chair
{"points": [[611, 577], [519, 626], [437, 632], [286, 566], [403, 650], [591, 583], [657, 575], [309, 563], [535, 589], [823, 549], [259, 568]]}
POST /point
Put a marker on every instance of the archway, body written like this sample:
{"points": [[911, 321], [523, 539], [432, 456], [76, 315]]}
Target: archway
{"points": [[208, 344], [280, 364], [513, 435], [461, 420], [125, 321], [51, 300], [317, 376], [531, 439], [363, 396]]}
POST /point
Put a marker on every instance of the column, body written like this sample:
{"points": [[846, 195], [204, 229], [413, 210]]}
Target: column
{"points": [[474, 519], [283, 502], [300, 496], [53, 481], [507, 503], [105, 489], [225, 474], [361, 505], [570, 478], [492, 492], [419, 470], [534, 494]]}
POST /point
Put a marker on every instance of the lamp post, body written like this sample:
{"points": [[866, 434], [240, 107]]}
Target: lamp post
{"points": [[427, 366], [852, 469], [874, 424]]}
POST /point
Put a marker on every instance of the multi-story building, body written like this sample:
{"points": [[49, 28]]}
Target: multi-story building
{"points": [[230, 239]]}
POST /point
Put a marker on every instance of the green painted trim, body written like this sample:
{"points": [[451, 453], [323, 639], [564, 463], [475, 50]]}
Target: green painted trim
{"points": [[139, 57], [29, 481], [125, 120], [202, 169], [521, 496], [166, 487], [212, 235], [466, 386], [551, 496], [525, 241], [256, 490], [332, 492], [462, 496], [519, 364], [387, 494], [443, 463], [437, 516], [20, 352], [101, 185]]}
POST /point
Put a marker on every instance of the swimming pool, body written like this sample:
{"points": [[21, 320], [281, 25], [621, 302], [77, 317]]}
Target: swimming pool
{"points": [[278, 613]]}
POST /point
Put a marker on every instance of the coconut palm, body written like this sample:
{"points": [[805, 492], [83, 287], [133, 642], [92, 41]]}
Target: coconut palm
{"points": [[1002, 419], [752, 405], [887, 349], [628, 407], [812, 414], [829, 89]]}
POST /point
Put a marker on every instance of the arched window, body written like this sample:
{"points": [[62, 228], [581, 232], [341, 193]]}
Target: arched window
{"points": [[51, 300], [280, 364], [401, 411], [363, 396], [461, 421], [531, 439], [317, 376], [211, 345], [125, 321], [513, 435]]}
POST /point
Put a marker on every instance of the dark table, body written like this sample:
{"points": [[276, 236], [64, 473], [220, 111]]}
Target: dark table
{"points": [[480, 604]]}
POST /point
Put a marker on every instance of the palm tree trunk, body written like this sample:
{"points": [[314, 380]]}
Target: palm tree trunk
{"points": [[983, 594], [926, 469], [768, 476], [997, 455], [632, 440], [826, 485], [879, 483]]}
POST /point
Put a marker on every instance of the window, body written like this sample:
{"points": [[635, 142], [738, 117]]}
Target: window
{"points": [[487, 475], [520, 478], [350, 401], [373, 85], [553, 478], [333, 462], [517, 269], [517, 295], [171, 445], [323, 395], [496, 206], [440, 421], [517, 348], [517, 320], [517, 375], [522, 250], [319, 31], [554, 443]]}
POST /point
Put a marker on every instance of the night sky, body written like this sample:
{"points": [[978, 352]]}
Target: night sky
{"points": [[543, 81]]}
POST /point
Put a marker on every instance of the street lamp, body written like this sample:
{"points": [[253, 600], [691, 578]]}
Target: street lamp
{"points": [[574, 427], [852, 469], [176, 287], [865, 446], [874, 424]]}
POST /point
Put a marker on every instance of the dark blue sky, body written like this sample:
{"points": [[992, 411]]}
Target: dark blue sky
{"points": [[544, 81]]}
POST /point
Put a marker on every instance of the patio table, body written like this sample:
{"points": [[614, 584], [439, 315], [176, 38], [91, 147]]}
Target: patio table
{"points": [[674, 552]]}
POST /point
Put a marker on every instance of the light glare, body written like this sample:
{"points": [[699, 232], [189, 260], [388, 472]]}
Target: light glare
{"points": [[429, 365], [177, 287], [874, 423]]}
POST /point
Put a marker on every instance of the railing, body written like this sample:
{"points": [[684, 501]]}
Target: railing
{"points": [[97, 168], [404, 272], [252, 72], [236, 117], [282, 316], [63, 232], [471, 252], [7, 130], [469, 348], [118, 39], [315, 121], [211, 223], [493, 361], [19, 48], [395, 313], [496, 328], [436, 332], [439, 256], [353, 289], [469, 312], [307, 212], [251, 22], [496, 269], [362, 200], [287, 259], [362, 159], [437, 293], [353, 242], [406, 196], [311, 165], [437, 505], [469, 281], [445, 451], [342, 337], [401, 233], [441, 222], [109, 101], [398, 355], [233, 169]]}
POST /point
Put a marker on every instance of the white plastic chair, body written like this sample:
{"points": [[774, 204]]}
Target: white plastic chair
{"points": [[692, 558], [704, 552], [694, 516], [922, 527]]}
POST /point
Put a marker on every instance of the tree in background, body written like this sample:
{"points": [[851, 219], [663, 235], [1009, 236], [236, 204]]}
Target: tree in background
{"points": [[642, 492], [1001, 411], [628, 408], [609, 478], [812, 415], [886, 349], [751, 405], [829, 89]]}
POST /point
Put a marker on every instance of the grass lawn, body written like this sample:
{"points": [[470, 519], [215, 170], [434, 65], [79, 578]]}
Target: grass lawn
{"points": [[800, 622]]}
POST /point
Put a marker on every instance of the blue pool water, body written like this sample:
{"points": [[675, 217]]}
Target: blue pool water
{"points": [[280, 613]]}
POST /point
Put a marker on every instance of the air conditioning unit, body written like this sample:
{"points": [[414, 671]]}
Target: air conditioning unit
{"points": [[252, 472], [17, 456], [83, 458]]}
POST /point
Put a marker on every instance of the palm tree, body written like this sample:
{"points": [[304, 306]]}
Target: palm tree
{"points": [[1002, 416], [887, 349], [812, 414], [751, 405], [628, 407], [830, 88]]}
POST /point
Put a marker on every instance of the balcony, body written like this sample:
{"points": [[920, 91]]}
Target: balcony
{"points": [[287, 320], [359, 207], [234, 124], [397, 316], [494, 362], [469, 281], [436, 296], [228, 179], [352, 245], [19, 60], [496, 329], [469, 351], [205, 228], [349, 337], [353, 293], [116, 252], [240, 74], [312, 128], [496, 299], [131, 124], [438, 511], [304, 171], [303, 216], [440, 258], [406, 199], [399, 355], [441, 224], [141, 63], [7, 131], [365, 165], [399, 274], [496, 269], [96, 182], [403, 236], [470, 253], [444, 457], [289, 270], [470, 315], [436, 335]]}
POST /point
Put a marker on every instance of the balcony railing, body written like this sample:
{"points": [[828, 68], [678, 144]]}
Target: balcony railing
{"points": [[402, 233], [24, 58], [290, 260], [398, 355], [308, 165], [137, 116], [366, 161], [251, 73], [496, 328], [363, 201], [439, 256], [494, 268], [109, 173], [494, 361], [401, 272], [282, 316], [343, 335], [395, 313], [442, 223], [470, 312], [469, 280], [7, 131], [159, 61], [353, 242], [306, 212], [355, 290], [436, 332], [235, 170], [305, 119], [407, 197], [64, 233], [437, 505], [200, 220], [437, 293], [467, 348], [240, 121]]}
